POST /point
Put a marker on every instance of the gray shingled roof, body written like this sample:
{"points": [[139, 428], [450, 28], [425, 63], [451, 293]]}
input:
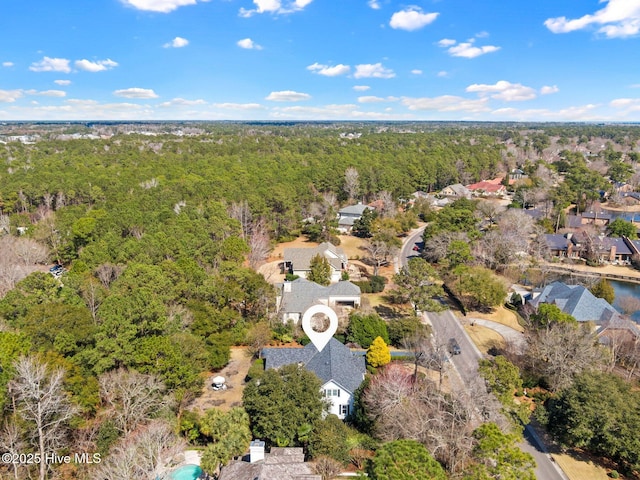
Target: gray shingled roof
{"points": [[334, 363], [279, 464], [305, 293], [351, 210], [556, 241], [577, 301], [300, 258]]}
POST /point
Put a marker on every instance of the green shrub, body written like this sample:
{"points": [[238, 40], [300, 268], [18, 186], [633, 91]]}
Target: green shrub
{"points": [[377, 283], [256, 370], [290, 277], [614, 474]]}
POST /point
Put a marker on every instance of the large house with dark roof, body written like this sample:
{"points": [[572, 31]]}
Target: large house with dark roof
{"points": [[575, 300], [294, 298], [340, 370], [298, 260]]}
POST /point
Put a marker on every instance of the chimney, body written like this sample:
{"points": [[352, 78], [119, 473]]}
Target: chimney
{"points": [[286, 287], [256, 451]]}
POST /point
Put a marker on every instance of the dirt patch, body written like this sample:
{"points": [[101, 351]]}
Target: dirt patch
{"points": [[234, 374], [272, 272]]}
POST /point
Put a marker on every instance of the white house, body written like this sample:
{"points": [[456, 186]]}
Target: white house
{"points": [[294, 298], [348, 215], [340, 370], [298, 260]]}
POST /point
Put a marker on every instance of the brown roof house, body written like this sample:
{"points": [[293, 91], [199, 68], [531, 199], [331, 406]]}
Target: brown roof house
{"points": [[278, 464]]}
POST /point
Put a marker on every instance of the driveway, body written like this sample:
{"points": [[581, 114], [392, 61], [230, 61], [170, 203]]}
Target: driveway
{"points": [[510, 335]]}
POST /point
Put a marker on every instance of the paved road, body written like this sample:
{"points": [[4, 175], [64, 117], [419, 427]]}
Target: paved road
{"points": [[445, 326]]}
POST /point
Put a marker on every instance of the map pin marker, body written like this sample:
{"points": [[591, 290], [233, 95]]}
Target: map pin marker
{"points": [[319, 339]]}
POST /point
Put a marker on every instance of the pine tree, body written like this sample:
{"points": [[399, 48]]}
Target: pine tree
{"points": [[320, 270]]}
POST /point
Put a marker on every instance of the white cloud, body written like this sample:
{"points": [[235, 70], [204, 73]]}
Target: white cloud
{"points": [[627, 105], [99, 66], [10, 96], [7, 64], [333, 112], [579, 113], [411, 18], [48, 64], [328, 71], [135, 93], [442, 74], [162, 6], [239, 106], [62, 83], [375, 70], [373, 99], [482, 34], [469, 50], [177, 42], [248, 44], [361, 88], [47, 93], [181, 102], [619, 18], [549, 89], [275, 7], [374, 4], [446, 103], [446, 42], [416, 71], [287, 96], [503, 90]]}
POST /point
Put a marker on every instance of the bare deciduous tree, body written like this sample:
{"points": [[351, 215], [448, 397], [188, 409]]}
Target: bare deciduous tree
{"points": [[351, 183], [388, 208], [131, 398], [42, 402], [562, 351], [629, 305], [107, 273], [259, 244], [139, 454], [12, 443], [241, 212], [405, 407]]}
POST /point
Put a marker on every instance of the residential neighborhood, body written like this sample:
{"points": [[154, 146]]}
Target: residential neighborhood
{"points": [[470, 320]]}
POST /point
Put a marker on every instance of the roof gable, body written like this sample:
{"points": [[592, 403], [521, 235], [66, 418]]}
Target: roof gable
{"points": [[334, 363]]}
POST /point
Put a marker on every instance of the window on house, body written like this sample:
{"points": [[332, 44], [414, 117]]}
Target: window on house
{"points": [[332, 393], [344, 410]]}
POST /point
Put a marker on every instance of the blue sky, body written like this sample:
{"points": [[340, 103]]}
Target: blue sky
{"points": [[543, 60]]}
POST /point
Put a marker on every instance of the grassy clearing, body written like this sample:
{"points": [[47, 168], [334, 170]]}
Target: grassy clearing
{"points": [[499, 315], [484, 337], [577, 468], [351, 246]]}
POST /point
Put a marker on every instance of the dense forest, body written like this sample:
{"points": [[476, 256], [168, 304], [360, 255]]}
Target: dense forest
{"points": [[159, 234]]}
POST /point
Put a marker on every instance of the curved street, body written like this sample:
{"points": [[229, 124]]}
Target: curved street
{"points": [[446, 325]]}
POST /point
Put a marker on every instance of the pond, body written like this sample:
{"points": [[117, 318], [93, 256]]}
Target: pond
{"points": [[624, 289]]}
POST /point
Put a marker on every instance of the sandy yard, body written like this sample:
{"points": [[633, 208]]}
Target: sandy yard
{"points": [[234, 373]]}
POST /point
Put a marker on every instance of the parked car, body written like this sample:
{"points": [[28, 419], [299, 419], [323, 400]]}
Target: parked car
{"points": [[454, 348]]}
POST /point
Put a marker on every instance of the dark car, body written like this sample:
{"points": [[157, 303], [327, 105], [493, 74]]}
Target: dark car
{"points": [[454, 348]]}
